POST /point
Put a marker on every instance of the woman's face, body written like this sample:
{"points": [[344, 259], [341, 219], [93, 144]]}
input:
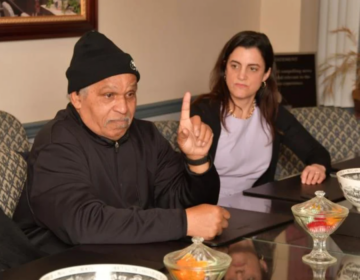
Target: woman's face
{"points": [[245, 72]]}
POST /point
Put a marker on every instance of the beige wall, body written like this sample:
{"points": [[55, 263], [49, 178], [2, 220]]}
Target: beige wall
{"points": [[174, 45], [291, 25], [280, 20], [309, 23]]}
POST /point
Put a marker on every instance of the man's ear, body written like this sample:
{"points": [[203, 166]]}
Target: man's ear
{"points": [[263, 265], [75, 100]]}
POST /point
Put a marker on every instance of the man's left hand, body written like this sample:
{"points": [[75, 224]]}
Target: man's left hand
{"points": [[313, 174], [194, 137]]}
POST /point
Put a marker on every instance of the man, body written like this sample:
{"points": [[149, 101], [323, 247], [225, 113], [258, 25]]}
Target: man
{"points": [[99, 176]]}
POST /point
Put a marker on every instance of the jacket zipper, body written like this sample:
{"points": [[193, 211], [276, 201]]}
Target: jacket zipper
{"points": [[116, 162]]}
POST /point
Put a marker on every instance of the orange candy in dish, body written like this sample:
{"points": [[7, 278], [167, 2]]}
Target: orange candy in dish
{"points": [[189, 261], [197, 262]]}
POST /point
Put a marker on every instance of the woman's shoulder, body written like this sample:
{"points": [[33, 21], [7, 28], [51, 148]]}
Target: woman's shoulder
{"points": [[284, 114], [283, 110], [205, 103], [285, 119]]}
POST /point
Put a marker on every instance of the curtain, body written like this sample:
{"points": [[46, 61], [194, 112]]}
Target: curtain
{"points": [[334, 14]]}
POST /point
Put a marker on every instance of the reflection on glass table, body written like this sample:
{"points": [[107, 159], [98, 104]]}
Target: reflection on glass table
{"points": [[260, 260], [250, 260], [341, 241]]}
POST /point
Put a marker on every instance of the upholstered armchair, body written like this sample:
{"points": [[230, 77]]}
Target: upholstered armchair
{"points": [[335, 128], [169, 130], [13, 143], [12, 179], [12, 133]]}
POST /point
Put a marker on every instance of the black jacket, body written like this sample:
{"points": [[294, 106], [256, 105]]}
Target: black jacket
{"points": [[15, 248], [85, 189], [293, 135]]}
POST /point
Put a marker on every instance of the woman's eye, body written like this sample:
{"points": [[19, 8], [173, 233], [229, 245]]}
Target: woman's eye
{"points": [[234, 66], [253, 69]]}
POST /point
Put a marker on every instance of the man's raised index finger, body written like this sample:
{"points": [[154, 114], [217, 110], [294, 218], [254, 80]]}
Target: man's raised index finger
{"points": [[185, 108]]}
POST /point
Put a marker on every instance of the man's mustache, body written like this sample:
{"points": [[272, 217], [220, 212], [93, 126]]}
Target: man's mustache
{"points": [[126, 119]]}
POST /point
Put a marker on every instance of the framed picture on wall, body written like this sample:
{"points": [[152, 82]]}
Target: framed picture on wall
{"points": [[38, 19]]}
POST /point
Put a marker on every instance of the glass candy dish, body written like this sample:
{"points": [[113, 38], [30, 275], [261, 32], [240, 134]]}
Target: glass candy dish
{"points": [[197, 262], [319, 270], [319, 217]]}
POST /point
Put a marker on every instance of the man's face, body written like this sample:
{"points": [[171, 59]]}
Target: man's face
{"points": [[107, 107], [245, 264]]}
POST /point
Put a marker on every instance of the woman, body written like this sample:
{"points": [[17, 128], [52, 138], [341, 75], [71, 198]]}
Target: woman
{"points": [[248, 123]]}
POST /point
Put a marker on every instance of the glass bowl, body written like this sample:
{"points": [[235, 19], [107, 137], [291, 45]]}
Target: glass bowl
{"points": [[319, 270], [319, 217], [349, 180], [197, 262], [105, 272]]}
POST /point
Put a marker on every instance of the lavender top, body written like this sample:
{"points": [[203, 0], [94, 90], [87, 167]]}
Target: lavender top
{"points": [[243, 154]]}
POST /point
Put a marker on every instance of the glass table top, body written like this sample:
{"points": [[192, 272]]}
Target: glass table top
{"points": [[254, 259], [340, 241]]}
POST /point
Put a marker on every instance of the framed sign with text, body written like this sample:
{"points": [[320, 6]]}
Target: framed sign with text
{"points": [[296, 77]]}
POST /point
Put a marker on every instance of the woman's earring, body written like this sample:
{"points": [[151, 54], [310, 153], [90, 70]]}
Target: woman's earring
{"points": [[264, 84]]}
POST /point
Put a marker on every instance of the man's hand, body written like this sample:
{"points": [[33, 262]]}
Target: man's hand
{"points": [[206, 220], [194, 137], [313, 174]]}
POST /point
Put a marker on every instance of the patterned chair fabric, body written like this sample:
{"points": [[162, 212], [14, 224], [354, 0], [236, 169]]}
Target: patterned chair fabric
{"points": [[12, 179], [169, 130], [12, 133], [335, 128]]}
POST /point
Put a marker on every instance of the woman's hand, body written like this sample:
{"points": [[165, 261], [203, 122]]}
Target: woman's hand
{"points": [[313, 174]]}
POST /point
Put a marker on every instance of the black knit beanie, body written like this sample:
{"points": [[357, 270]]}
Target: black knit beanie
{"points": [[96, 58]]}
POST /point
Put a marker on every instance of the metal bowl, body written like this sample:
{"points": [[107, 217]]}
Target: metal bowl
{"points": [[349, 180], [105, 272]]}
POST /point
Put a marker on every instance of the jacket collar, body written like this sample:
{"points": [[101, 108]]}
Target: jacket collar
{"points": [[103, 140]]}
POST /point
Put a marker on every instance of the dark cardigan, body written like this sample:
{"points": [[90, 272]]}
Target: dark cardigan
{"points": [[293, 135]]}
